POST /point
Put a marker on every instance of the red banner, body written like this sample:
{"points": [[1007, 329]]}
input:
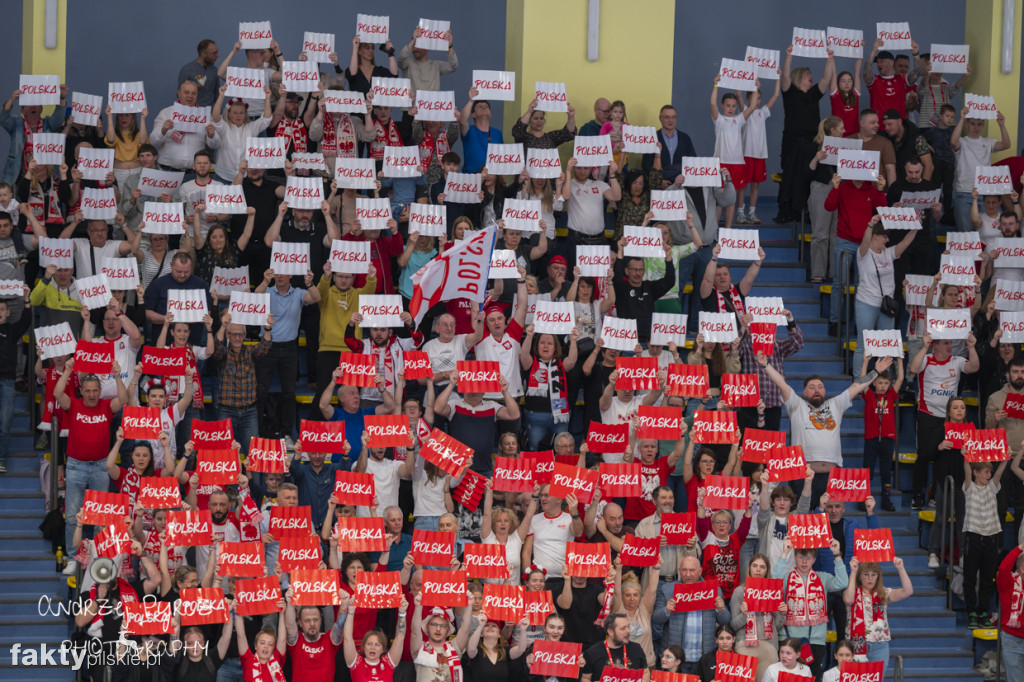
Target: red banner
{"points": [[556, 659], [727, 492], [695, 596], [112, 540], [662, 676], [636, 373], [588, 559], [856, 671], [417, 365], [758, 444], [478, 376], [241, 559], [203, 606], [381, 590], [678, 527], [103, 509], [642, 552], [257, 597], [433, 547], [715, 427], [386, 430], [212, 435], [365, 534], [733, 667], [537, 606], [762, 337], [604, 438], [570, 480], [873, 544], [849, 485], [485, 561], [94, 357], [297, 553], [809, 531], [787, 464], [470, 490], [357, 369], [315, 588], [444, 588], [740, 390], [266, 456], [687, 381], [542, 464], [193, 528], [141, 422], [148, 617], [986, 445], [159, 492], [660, 422], [164, 362], [957, 433], [786, 676], [448, 454], [512, 475], [318, 436], [503, 602], [763, 595], [354, 488], [290, 522], [615, 674], [217, 467], [619, 479], [1013, 406]]}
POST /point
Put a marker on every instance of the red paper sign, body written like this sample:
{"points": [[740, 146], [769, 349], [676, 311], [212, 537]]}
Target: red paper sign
{"points": [[159, 492], [986, 445], [640, 552], [193, 528], [763, 595], [318, 587], [662, 676], [297, 553], [727, 492], [448, 454], [659, 422], [758, 444], [257, 597], [762, 337], [613, 674], [241, 559], [679, 527], [873, 544], [537, 606], [203, 606], [112, 540], [809, 531], [695, 596], [786, 676], [512, 475], [715, 427], [485, 561], [572, 480], [856, 671], [266, 455], [957, 433], [141, 422], [478, 376], [433, 547], [358, 369], [503, 602], [687, 381], [849, 485], [217, 467], [212, 435], [417, 365], [148, 617], [354, 488], [588, 559], [103, 509], [620, 479], [94, 357], [740, 390], [636, 373], [733, 667], [444, 588], [603, 438], [322, 436], [542, 464], [787, 464], [386, 430], [378, 590], [164, 362], [556, 659], [470, 490], [360, 534], [290, 522], [1014, 405]]}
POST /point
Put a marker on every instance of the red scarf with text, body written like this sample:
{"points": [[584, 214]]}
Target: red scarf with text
{"points": [[294, 130], [429, 146], [859, 619], [735, 299], [387, 136]]}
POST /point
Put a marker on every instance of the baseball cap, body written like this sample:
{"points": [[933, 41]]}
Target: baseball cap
{"points": [[558, 260], [891, 115], [884, 54], [294, 96]]}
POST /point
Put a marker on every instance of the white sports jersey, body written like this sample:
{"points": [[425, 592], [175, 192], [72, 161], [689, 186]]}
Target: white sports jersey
{"points": [[505, 352], [125, 356], [937, 382]]}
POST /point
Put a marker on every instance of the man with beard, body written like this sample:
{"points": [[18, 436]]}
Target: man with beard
{"points": [[387, 347], [692, 630], [650, 527], [654, 470], [608, 526], [312, 652], [907, 142], [842, 528], [920, 256], [615, 651], [193, 192], [997, 418], [203, 70], [580, 602], [180, 277], [286, 122], [225, 526], [438, 652], [1009, 228], [287, 496]]}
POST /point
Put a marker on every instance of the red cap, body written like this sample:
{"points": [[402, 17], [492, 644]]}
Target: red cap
{"points": [[494, 308], [558, 260]]}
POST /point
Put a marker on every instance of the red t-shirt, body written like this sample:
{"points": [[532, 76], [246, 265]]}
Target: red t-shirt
{"points": [[880, 414], [89, 430], [651, 476], [850, 114], [361, 671], [249, 662], [888, 93], [313, 660], [365, 619]]}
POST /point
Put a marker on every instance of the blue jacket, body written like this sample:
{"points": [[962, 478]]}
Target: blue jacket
{"points": [[671, 166], [825, 562], [15, 127], [672, 632]]}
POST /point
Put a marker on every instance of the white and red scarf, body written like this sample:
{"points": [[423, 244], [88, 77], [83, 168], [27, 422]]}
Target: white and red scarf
{"points": [[295, 131], [429, 146], [767, 621], [129, 485], [805, 604], [175, 555], [273, 669], [735, 298], [548, 379], [387, 136], [451, 653], [45, 201], [27, 153], [606, 608], [861, 619], [1016, 602], [339, 138]]}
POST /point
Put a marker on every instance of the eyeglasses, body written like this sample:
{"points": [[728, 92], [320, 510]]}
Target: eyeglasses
{"points": [[634, 269], [236, 334]]}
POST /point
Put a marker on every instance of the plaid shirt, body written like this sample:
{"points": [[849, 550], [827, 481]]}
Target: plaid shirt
{"points": [[236, 373], [784, 347]]}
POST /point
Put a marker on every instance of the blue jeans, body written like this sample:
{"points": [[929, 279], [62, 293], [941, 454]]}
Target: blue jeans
{"points": [[840, 278], [868, 317], [243, 424], [6, 415], [426, 522], [691, 271], [962, 210], [1013, 656], [879, 651], [230, 671], [538, 425], [80, 476]]}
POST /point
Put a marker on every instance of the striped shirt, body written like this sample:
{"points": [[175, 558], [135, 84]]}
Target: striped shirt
{"points": [[982, 516]]}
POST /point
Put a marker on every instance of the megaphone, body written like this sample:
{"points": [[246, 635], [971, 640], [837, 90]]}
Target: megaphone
{"points": [[103, 571]]}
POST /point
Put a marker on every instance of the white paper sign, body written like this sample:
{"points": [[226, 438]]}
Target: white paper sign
{"points": [[949, 323], [247, 308], [522, 214], [845, 42], [230, 279], [554, 317], [344, 102], [497, 86], [372, 28], [921, 200], [305, 193], [543, 163], [1012, 324], [594, 261], [591, 151], [290, 258], [430, 220], [153, 183], [505, 159], [163, 218], [435, 105], [126, 98], [98, 204], [254, 35], [56, 340], [858, 164], [899, 218], [225, 199], [392, 92], [766, 62], [737, 75], [48, 148], [766, 309], [94, 292], [1009, 295], [668, 328], [190, 119], [717, 327], [883, 343], [462, 188], [738, 244], [639, 139], [60, 252], [401, 162], [701, 171], [266, 152], [1011, 252], [300, 76], [41, 90], [433, 35], [980, 106], [313, 161], [187, 305], [668, 204], [809, 42], [831, 146], [993, 180], [957, 270], [246, 83], [950, 58], [550, 97], [318, 46], [619, 333], [895, 35], [10, 288], [353, 257], [380, 310], [373, 214], [355, 173], [95, 163], [643, 242], [966, 244], [531, 304], [503, 264], [85, 108], [917, 288]]}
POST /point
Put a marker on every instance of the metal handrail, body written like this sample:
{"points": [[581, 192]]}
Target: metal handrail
{"points": [[54, 461], [800, 238], [842, 280], [897, 668], [948, 521], [30, 356], [999, 654]]}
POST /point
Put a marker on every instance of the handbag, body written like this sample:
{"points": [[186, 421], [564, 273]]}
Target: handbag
{"points": [[889, 307]]}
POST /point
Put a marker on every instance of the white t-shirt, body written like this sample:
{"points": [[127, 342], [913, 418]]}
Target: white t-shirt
{"points": [[428, 498], [85, 253], [729, 138], [444, 356], [385, 481], [513, 557], [549, 538], [233, 141], [817, 430], [989, 230], [125, 356], [972, 153], [937, 382], [505, 352], [226, 532], [176, 385], [586, 206], [871, 267], [755, 139]]}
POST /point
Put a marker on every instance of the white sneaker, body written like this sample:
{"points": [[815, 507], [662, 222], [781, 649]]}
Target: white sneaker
{"points": [[933, 560], [752, 218], [71, 568], [741, 218]]}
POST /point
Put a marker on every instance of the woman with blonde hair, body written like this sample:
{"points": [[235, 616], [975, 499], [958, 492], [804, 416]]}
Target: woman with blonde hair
{"points": [[488, 652], [868, 599], [823, 222], [637, 603], [501, 526]]}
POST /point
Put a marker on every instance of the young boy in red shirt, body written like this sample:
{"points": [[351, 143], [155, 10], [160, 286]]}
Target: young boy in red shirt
{"points": [[881, 399]]}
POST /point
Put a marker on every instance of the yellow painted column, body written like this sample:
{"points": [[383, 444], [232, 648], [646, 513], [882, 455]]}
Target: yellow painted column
{"points": [[983, 31], [36, 58]]}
